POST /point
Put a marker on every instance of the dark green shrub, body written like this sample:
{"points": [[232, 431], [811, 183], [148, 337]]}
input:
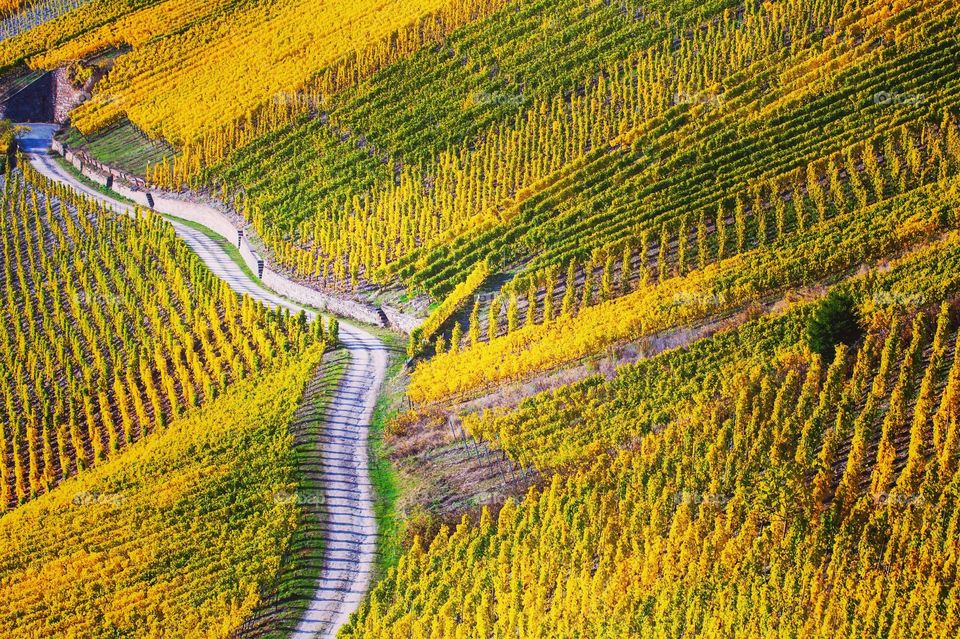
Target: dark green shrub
{"points": [[836, 321]]}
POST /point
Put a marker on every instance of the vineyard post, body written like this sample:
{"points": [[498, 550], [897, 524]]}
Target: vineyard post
{"points": [[509, 463]]}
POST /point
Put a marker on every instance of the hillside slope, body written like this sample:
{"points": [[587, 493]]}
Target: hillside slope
{"points": [[113, 329], [747, 488], [689, 275], [178, 537]]}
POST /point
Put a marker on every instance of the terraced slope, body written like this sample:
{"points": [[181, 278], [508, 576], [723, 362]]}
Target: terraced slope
{"points": [[177, 537], [435, 144], [799, 499], [114, 329], [856, 239], [344, 504], [745, 487], [742, 484], [567, 185], [543, 154], [218, 72]]}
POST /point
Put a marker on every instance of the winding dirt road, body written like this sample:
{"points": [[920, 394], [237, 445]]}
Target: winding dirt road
{"points": [[349, 525]]}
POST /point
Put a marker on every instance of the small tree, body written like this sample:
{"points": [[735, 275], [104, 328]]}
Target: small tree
{"points": [[440, 345], [413, 346], [333, 330], [740, 224], [682, 241], [493, 316], [475, 323], [606, 279], [836, 321], [626, 267], [550, 287], [721, 226], [456, 338], [513, 313], [566, 305], [644, 260], [317, 325], [703, 241], [662, 263], [531, 305], [587, 298]]}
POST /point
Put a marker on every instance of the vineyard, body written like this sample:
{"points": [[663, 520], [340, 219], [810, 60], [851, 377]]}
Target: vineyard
{"points": [[679, 290], [578, 421], [830, 248], [416, 167], [17, 17], [178, 537], [535, 156], [216, 73], [751, 485], [741, 485], [793, 501], [11, 7], [114, 329], [120, 145]]}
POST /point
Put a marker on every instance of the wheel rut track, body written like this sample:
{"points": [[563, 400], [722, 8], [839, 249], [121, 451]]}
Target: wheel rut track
{"points": [[349, 526]]}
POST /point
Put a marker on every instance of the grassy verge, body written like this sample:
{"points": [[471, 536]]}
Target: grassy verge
{"points": [[228, 247], [304, 560], [121, 145], [383, 475], [96, 186]]}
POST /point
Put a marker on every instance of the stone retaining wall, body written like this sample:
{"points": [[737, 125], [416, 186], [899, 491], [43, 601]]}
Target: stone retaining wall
{"points": [[133, 189], [65, 96], [49, 98], [401, 321]]}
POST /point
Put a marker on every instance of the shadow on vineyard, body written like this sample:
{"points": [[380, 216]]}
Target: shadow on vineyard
{"points": [[30, 100]]}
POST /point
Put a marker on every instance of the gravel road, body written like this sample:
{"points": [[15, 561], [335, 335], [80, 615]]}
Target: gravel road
{"points": [[349, 526]]}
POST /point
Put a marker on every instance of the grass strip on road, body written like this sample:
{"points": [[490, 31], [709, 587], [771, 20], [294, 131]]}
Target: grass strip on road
{"points": [[299, 575], [228, 247]]}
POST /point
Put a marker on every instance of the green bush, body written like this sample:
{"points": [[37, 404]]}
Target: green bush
{"points": [[836, 321]]}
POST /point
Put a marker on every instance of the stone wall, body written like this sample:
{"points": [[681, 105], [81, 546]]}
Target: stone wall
{"points": [[218, 221], [49, 98], [299, 293], [65, 96], [401, 321]]}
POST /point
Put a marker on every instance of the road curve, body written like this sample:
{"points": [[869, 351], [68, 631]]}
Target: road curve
{"points": [[349, 525]]}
